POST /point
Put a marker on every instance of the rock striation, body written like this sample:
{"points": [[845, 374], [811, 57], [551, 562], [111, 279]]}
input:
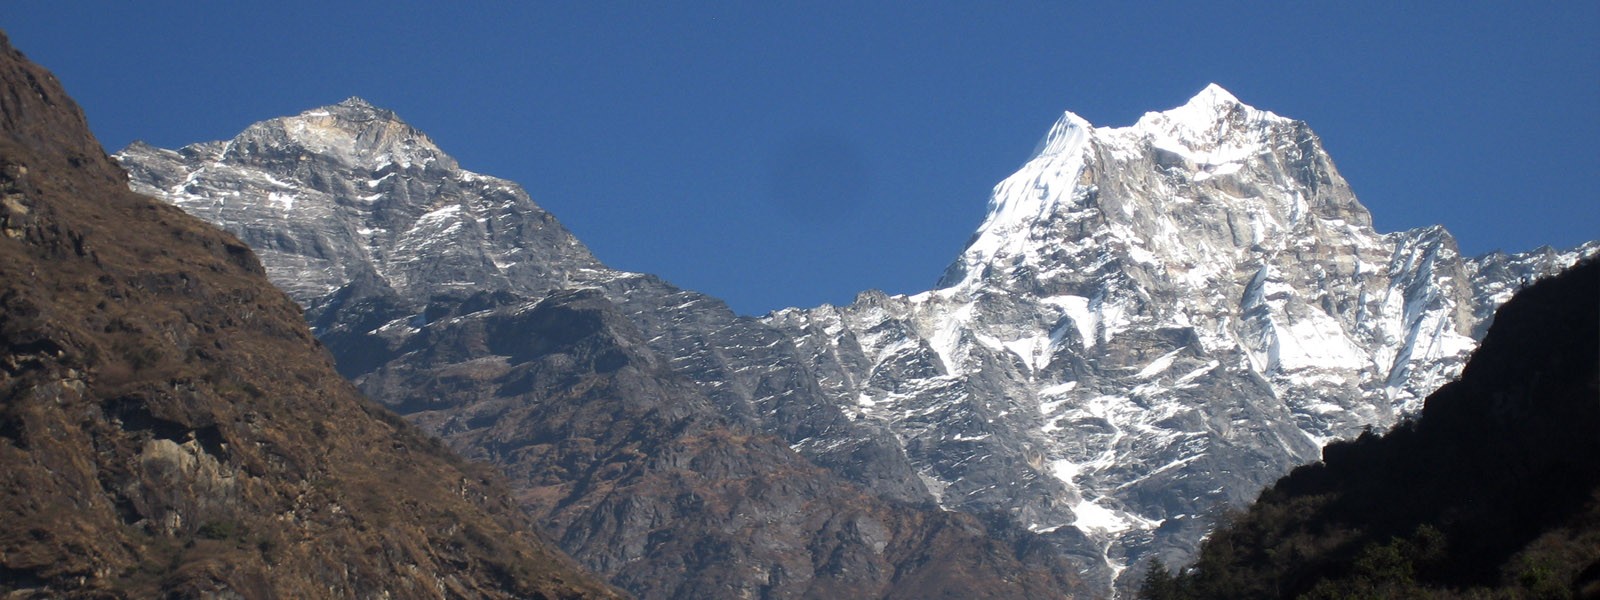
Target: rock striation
{"points": [[1153, 323], [1156, 321], [169, 427], [1492, 491], [650, 428]]}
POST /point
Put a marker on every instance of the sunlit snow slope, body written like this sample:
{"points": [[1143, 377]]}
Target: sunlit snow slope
{"points": [[1155, 321]]}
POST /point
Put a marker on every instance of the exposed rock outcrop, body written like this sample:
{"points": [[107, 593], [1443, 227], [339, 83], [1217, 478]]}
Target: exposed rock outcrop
{"points": [[1153, 323], [1494, 491], [170, 428]]}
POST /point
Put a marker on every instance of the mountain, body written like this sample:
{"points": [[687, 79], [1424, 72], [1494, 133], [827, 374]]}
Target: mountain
{"points": [[650, 428], [1153, 323], [1494, 491], [170, 428]]}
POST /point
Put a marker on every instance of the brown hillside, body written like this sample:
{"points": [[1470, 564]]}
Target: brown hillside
{"points": [[169, 427]]}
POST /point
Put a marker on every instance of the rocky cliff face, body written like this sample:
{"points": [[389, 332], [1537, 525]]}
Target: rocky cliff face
{"points": [[349, 193], [655, 431], [1155, 321], [170, 428], [1152, 323], [644, 477], [1493, 491]]}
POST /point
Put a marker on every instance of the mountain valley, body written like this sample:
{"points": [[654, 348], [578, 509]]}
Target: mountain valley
{"points": [[1153, 323]]}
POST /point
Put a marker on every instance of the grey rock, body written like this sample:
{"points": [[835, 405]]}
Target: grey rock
{"points": [[656, 433], [1153, 323]]}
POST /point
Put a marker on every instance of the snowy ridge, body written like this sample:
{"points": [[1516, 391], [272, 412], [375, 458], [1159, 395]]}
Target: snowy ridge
{"points": [[1155, 320], [355, 194], [1152, 322]]}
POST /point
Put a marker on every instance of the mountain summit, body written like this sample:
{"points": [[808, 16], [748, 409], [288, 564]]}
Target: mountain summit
{"points": [[352, 132], [170, 429], [1152, 323], [349, 194], [654, 432]]}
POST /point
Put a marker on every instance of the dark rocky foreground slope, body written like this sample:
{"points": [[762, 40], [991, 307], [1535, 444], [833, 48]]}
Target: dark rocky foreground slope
{"points": [[1494, 492], [170, 428]]}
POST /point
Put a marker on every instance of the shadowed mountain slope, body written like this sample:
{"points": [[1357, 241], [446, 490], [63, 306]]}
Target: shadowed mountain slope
{"points": [[1154, 321], [1494, 492], [653, 431], [640, 475], [170, 428]]}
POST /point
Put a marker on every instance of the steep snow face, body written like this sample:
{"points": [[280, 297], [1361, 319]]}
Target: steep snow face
{"points": [[1230, 222], [354, 194], [1152, 321]]}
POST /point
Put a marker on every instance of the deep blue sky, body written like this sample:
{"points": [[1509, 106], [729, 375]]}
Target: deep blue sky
{"points": [[778, 154]]}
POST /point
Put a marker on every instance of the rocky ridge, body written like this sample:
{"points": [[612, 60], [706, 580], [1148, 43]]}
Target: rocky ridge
{"points": [[169, 427], [1493, 491], [1157, 320], [1153, 322], [650, 427]]}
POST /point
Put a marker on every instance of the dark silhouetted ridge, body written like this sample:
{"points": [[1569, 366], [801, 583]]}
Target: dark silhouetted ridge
{"points": [[1493, 492]]}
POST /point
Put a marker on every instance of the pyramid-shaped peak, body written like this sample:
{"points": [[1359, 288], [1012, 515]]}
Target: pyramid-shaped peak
{"points": [[1068, 134], [1211, 100], [356, 102], [1204, 112], [353, 131], [1215, 94]]}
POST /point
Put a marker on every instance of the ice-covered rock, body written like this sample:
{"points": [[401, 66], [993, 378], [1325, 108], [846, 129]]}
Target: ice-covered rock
{"points": [[1152, 323], [1155, 321]]}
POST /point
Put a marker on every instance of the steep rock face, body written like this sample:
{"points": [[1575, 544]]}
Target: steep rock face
{"points": [[372, 228], [170, 428], [1497, 275], [1494, 491], [665, 444], [350, 192], [1154, 321], [642, 476]]}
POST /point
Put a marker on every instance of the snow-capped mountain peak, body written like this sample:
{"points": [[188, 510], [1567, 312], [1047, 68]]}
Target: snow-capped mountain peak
{"points": [[1192, 152], [1212, 127], [1204, 109], [1153, 320], [1066, 136], [353, 132], [1026, 198], [350, 192], [1146, 310]]}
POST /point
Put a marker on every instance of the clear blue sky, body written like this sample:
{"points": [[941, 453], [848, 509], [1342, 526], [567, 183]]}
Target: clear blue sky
{"points": [[794, 153]]}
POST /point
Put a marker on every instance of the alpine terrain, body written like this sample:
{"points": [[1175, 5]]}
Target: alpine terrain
{"points": [[1492, 492], [1153, 323], [649, 428], [169, 428]]}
